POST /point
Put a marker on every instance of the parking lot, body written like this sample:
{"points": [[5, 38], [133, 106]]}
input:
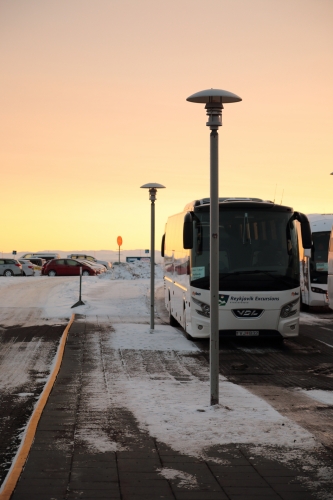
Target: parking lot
{"points": [[275, 407]]}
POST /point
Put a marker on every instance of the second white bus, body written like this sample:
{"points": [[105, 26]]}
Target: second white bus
{"points": [[314, 269]]}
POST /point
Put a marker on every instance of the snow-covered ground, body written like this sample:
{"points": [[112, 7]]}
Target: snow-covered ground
{"points": [[174, 411]]}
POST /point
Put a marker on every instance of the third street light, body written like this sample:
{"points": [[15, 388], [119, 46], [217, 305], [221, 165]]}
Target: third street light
{"points": [[214, 100]]}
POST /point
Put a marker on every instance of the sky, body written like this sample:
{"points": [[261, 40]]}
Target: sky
{"points": [[93, 106]]}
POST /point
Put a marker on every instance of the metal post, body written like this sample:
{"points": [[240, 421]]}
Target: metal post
{"points": [[152, 263], [214, 268], [79, 302], [153, 186], [80, 283]]}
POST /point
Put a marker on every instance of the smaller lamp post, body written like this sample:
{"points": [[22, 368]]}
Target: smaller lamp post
{"points": [[152, 186]]}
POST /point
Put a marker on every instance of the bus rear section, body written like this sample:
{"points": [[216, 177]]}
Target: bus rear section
{"points": [[330, 272], [259, 272], [314, 269]]}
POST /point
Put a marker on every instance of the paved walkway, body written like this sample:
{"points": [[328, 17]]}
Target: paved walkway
{"points": [[61, 466]]}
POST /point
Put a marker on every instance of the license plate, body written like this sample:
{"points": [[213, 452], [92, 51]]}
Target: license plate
{"points": [[247, 333]]}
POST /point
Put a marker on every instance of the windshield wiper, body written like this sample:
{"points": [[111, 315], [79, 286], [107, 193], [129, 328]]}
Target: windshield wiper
{"points": [[246, 230], [254, 271]]}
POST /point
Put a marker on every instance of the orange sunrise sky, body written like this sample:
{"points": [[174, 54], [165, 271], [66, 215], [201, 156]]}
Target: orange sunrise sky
{"points": [[93, 105]]}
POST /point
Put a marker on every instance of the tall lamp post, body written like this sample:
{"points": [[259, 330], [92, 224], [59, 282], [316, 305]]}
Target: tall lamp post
{"points": [[152, 186], [214, 100]]}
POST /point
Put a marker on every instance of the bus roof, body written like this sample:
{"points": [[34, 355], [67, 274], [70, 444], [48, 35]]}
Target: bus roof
{"points": [[234, 203], [320, 222]]}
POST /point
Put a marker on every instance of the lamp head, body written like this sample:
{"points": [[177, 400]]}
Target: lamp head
{"points": [[214, 96], [214, 99], [152, 186]]}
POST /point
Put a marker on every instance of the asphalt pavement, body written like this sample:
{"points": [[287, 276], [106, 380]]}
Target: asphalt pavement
{"points": [[61, 466]]}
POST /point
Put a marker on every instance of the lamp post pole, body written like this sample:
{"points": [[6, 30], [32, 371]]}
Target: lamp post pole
{"points": [[214, 99], [152, 196]]}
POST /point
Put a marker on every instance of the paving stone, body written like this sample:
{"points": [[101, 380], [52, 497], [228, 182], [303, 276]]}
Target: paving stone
{"points": [[94, 474], [93, 485], [201, 495], [245, 490], [283, 480], [153, 488], [249, 496], [97, 494], [126, 477], [43, 486], [255, 482], [138, 465], [169, 459], [289, 488], [266, 471], [299, 496], [137, 454]]}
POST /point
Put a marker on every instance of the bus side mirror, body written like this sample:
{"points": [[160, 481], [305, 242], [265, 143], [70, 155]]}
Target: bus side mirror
{"points": [[305, 231], [162, 245], [188, 231], [307, 252]]}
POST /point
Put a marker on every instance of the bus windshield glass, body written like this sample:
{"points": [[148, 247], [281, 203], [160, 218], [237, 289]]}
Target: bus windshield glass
{"points": [[258, 250], [319, 257]]}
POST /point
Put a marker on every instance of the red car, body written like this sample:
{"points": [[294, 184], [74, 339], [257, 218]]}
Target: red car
{"points": [[67, 267]]}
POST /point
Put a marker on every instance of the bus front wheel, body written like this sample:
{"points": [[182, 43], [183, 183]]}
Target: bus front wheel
{"points": [[172, 320]]}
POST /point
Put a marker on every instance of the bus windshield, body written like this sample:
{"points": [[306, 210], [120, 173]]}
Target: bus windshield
{"points": [[319, 257], [258, 250]]}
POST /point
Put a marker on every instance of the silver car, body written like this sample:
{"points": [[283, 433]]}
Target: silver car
{"points": [[27, 267], [10, 267]]}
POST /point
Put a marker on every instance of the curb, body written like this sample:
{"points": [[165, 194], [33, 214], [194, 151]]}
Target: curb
{"points": [[16, 468]]}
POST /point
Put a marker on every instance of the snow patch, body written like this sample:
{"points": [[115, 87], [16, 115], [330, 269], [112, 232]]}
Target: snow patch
{"points": [[186, 480], [325, 397], [162, 338]]}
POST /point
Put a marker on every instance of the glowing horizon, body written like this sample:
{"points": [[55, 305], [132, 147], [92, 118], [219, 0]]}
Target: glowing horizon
{"points": [[94, 106]]}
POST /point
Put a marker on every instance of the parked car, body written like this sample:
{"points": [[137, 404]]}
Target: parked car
{"points": [[90, 258], [10, 267], [27, 267], [99, 267], [41, 255], [37, 261], [67, 267]]}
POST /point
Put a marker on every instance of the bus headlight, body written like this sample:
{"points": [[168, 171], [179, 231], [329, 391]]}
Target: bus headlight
{"points": [[205, 308], [317, 290], [289, 309]]}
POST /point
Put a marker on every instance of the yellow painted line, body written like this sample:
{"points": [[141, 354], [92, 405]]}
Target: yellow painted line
{"points": [[180, 286], [14, 473]]}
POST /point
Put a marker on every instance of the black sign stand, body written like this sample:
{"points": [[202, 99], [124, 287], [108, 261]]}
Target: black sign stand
{"points": [[79, 303]]}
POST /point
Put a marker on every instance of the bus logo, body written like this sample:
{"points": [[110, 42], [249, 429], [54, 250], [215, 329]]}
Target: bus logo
{"points": [[223, 299], [247, 313]]}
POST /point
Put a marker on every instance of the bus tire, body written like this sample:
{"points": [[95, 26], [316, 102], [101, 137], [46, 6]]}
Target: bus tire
{"points": [[172, 320], [304, 307], [188, 336]]}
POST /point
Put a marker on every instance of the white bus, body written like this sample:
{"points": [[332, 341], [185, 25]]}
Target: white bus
{"points": [[259, 272], [314, 269]]}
